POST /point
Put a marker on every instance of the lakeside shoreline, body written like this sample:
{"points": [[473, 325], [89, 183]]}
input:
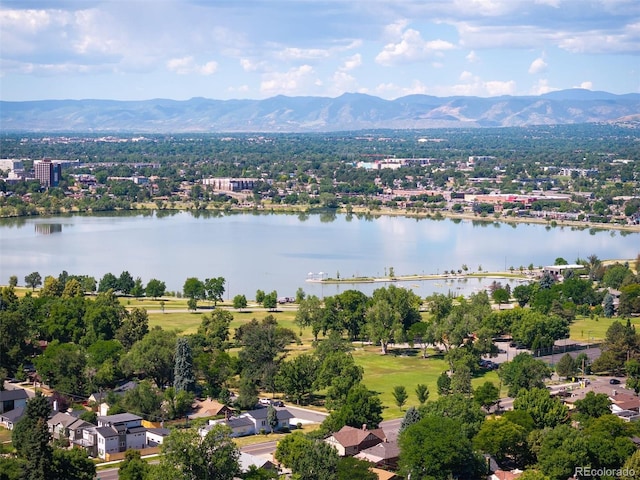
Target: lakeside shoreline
{"points": [[384, 211]]}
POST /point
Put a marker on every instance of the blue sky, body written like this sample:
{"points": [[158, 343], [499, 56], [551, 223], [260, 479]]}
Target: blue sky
{"points": [[224, 49]]}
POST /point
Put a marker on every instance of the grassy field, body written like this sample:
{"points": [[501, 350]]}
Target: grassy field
{"points": [[404, 367], [594, 329], [381, 372]]}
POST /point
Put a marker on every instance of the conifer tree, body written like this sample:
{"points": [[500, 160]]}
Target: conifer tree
{"points": [[183, 377]]}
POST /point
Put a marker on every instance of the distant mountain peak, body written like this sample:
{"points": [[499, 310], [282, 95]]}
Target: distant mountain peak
{"points": [[349, 111]]}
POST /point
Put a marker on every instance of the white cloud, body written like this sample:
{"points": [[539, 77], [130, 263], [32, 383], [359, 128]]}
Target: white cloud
{"points": [[538, 66], [292, 53], [187, 66], [466, 76], [587, 85], [351, 63], [410, 48], [542, 87], [290, 82], [472, 57]]}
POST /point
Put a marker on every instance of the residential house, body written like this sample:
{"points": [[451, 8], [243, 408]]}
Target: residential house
{"points": [[210, 408], [247, 460], [11, 399], [384, 454], [10, 418], [250, 423], [156, 436], [349, 441], [64, 425], [114, 433]]}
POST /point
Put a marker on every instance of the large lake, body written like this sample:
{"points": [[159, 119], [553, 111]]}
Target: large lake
{"points": [[280, 252]]}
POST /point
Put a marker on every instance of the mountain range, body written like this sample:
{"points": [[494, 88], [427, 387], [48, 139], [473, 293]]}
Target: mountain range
{"points": [[351, 111]]}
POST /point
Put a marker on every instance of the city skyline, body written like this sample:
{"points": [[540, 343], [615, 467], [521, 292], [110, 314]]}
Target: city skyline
{"points": [[180, 49]]}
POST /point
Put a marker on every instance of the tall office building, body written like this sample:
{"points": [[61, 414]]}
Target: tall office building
{"points": [[49, 173]]}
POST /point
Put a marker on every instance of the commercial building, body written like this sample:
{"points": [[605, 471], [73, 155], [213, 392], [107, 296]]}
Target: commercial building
{"points": [[47, 172]]}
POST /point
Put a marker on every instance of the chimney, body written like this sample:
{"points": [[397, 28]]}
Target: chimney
{"points": [[364, 426]]}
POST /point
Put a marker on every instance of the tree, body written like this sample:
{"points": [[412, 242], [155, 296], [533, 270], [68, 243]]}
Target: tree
{"points": [[629, 299], [338, 373], [108, 282], [383, 322], [608, 306], [505, 440], [153, 356], [138, 290], [177, 403], [61, 366], [13, 281], [193, 289], [263, 349], [133, 328], [214, 288], [272, 418], [247, 394], [144, 399], [270, 301], [310, 314], [351, 468], [155, 288], [400, 395], [296, 377], [566, 366], [239, 302], [260, 296], [436, 448], [183, 377], [461, 380], [52, 287], [562, 450], [125, 283], [133, 467], [72, 464], [538, 330], [187, 456], [33, 280], [422, 392], [546, 411], [361, 407], [103, 317], [500, 296], [214, 327], [457, 406], [31, 438], [411, 416], [523, 372], [444, 384], [308, 459], [593, 405], [486, 395], [620, 344]]}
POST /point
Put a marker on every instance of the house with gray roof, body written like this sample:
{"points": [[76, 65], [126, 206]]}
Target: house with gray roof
{"points": [[11, 399], [251, 422], [10, 418]]}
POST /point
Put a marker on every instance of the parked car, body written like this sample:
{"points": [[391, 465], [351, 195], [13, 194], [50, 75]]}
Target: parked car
{"points": [[614, 381], [265, 401], [277, 403]]}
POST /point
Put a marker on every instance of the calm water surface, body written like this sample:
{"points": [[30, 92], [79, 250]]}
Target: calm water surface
{"points": [[279, 252]]}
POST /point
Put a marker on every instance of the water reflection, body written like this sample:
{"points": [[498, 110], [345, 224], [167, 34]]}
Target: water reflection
{"points": [[48, 228]]}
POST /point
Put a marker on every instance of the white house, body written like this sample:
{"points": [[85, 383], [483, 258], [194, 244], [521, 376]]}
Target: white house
{"points": [[12, 399], [156, 436], [250, 423]]}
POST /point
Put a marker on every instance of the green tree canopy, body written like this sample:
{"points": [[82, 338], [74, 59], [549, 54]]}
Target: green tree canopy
{"points": [[437, 448]]}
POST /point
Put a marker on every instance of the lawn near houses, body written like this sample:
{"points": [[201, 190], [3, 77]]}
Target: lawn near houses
{"points": [[401, 366]]}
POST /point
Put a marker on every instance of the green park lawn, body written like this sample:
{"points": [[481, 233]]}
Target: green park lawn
{"points": [[381, 372], [405, 368], [594, 329]]}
